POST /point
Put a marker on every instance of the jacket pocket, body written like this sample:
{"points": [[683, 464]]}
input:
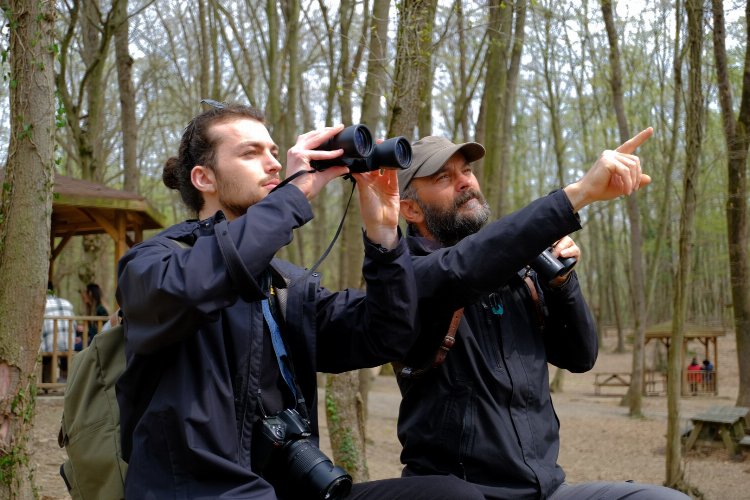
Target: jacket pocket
{"points": [[457, 422]]}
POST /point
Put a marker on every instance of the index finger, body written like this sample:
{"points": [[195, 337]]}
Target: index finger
{"points": [[629, 146]]}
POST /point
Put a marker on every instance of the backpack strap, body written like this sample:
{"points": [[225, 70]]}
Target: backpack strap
{"points": [[450, 338], [448, 341]]}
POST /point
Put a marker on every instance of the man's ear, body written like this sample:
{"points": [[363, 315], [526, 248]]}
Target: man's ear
{"points": [[203, 178], [411, 212]]}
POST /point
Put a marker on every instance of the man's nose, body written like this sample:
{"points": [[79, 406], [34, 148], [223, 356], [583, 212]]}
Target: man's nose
{"points": [[463, 181], [272, 164]]}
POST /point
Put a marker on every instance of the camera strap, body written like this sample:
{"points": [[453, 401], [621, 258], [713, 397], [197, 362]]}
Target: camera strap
{"points": [[538, 305], [282, 358]]}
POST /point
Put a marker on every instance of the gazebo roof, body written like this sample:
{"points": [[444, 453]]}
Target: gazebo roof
{"points": [[82, 207], [692, 331]]}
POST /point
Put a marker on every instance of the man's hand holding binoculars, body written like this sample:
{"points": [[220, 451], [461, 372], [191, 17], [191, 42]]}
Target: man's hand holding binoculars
{"points": [[335, 151], [304, 152]]}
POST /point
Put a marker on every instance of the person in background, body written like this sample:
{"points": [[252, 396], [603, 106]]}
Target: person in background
{"points": [[708, 376], [56, 307], [92, 300], [483, 411], [694, 376]]}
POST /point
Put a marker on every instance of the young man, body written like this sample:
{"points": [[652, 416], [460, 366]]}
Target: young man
{"points": [[485, 414], [223, 339]]}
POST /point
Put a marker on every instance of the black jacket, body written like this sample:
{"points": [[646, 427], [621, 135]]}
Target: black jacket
{"points": [[486, 414], [194, 330]]}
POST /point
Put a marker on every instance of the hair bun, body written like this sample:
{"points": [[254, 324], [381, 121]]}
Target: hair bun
{"points": [[170, 175]]}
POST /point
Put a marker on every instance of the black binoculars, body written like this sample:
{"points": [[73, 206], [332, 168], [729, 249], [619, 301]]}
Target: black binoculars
{"points": [[361, 154]]}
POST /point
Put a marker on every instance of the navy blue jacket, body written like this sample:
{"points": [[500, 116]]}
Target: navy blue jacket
{"points": [[486, 414], [194, 329]]}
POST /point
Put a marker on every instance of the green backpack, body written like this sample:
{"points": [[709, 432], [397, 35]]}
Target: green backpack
{"points": [[90, 430], [90, 427]]}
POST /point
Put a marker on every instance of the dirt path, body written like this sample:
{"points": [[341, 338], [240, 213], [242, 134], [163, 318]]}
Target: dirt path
{"points": [[599, 440]]}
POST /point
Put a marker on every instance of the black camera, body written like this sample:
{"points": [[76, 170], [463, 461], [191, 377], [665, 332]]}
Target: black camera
{"points": [[361, 154], [549, 267], [293, 464]]}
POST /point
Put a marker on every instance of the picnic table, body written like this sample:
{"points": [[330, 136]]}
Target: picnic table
{"points": [[609, 379], [654, 383], [727, 422]]}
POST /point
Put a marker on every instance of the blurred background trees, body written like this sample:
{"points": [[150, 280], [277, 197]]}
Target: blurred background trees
{"points": [[545, 85]]}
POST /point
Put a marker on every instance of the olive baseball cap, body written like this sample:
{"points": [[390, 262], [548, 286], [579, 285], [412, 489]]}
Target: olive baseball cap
{"points": [[430, 153]]}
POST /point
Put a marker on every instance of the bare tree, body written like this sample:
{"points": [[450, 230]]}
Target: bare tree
{"points": [[127, 97], [375, 87], [413, 66], [506, 26], [694, 138], [737, 136], [25, 207], [84, 101], [633, 397], [345, 408]]}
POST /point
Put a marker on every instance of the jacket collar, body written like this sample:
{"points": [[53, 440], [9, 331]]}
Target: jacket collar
{"points": [[419, 245]]}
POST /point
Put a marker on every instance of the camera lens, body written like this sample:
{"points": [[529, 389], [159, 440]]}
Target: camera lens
{"points": [[339, 488], [310, 467]]}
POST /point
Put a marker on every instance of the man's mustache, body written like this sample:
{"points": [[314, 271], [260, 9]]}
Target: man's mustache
{"points": [[467, 196]]}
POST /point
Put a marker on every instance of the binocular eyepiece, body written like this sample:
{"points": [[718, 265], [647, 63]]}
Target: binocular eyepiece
{"points": [[361, 154]]}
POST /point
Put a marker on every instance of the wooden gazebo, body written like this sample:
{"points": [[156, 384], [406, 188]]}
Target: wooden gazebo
{"points": [[82, 207], [707, 336]]}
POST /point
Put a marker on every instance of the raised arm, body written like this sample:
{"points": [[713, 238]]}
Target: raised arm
{"points": [[615, 173]]}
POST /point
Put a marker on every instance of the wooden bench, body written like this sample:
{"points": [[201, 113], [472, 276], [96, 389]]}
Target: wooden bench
{"points": [[725, 422], [610, 380], [745, 441]]}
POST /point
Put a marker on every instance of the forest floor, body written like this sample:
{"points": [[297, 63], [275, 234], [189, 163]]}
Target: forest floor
{"points": [[598, 439]]}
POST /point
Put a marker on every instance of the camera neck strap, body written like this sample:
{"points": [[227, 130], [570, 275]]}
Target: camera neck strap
{"points": [[282, 358]]}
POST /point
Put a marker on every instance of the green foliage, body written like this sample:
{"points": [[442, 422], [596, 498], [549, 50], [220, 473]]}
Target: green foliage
{"points": [[61, 116], [27, 132]]}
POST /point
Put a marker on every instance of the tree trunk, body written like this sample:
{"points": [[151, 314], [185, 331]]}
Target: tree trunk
{"points": [[25, 214], [127, 98], [375, 81], [204, 71], [638, 289], [556, 386], [85, 114], [498, 100], [343, 394], [343, 408], [737, 136], [665, 210], [375, 86], [273, 104], [694, 137], [290, 9], [413, 63]]}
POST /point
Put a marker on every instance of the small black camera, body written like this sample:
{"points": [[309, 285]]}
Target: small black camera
{"points": [[549, 267], [293, 464], [361, 154]]}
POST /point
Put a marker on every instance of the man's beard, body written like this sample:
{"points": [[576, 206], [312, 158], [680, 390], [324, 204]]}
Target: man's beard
{"points": [[449, 226], [233, 199]]}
